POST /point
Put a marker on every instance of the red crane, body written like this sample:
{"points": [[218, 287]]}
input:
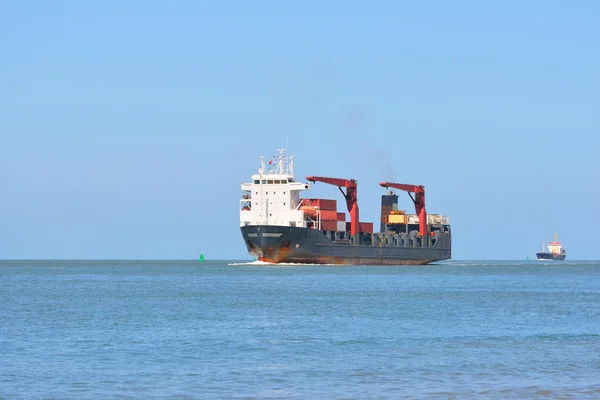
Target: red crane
{"points": [[350, 196], [419, 201]]}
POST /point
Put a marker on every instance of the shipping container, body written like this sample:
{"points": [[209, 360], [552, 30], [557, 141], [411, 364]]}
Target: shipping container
{"points": [[328, 215], [366, 227], [341, 226], [397, 219], [329, 225], [413, 218], [436, 219], [433, 219], [341, 216]]}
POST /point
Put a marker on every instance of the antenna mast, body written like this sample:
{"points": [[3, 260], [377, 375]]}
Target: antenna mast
{"points": [[281, 169]]}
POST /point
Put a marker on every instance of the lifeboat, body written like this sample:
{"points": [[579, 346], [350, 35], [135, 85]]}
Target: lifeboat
{"points": [[309, 211]]}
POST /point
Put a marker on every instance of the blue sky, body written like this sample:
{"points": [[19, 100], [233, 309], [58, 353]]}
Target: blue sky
{"points": [[126, 128]]}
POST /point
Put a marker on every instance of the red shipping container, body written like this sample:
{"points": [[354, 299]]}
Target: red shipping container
{"points": [[328, 204], [366, 227], [329, 225], [341, 216], [328, 215]]}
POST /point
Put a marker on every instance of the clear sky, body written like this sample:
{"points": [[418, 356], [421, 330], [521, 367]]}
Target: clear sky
{"points": [[126, 127]]}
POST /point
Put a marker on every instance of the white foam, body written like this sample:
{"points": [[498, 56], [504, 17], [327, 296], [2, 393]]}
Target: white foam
{"points": [[255, 262], [258, 263]]}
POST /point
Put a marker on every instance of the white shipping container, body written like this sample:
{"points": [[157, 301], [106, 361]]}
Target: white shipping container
{"points": [[438, 219], [431, 219], [413, 218], [341, 226], [434, 219]]}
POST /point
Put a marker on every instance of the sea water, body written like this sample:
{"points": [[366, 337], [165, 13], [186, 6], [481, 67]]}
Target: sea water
{"points": [[227, 329]]}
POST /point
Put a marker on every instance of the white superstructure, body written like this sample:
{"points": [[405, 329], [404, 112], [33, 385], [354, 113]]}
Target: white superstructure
{"points": [[554, 247], [273, 196]]}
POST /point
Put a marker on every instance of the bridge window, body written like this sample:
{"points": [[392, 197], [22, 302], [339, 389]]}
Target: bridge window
{"points": [[270, 182], [277, 182], [284, 181], [291, 180], [256, 181], [264, 181]]}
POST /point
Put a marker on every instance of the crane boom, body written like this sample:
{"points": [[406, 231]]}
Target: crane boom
{"points": [[350, 196], [419, 200]]}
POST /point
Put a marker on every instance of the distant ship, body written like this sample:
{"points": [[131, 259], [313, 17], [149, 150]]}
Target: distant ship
{"points": [[280, 226], [555, 251]]}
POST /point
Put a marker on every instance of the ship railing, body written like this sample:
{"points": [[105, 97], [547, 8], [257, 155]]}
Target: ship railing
{"points": [[245, 204], [317, 222]]}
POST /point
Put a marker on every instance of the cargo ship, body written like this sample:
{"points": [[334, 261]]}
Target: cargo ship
{"points": [[555, 250], [280, 225]]}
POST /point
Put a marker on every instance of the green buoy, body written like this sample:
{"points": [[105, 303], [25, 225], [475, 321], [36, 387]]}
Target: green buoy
{"points": [[201, 257], [527, 258]]}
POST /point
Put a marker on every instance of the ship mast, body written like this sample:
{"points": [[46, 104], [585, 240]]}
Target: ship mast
{"points": [[281, 155]]}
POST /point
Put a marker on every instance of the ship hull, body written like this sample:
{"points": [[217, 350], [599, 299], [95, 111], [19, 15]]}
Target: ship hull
{"points": [[550, 256], [282, 244]]}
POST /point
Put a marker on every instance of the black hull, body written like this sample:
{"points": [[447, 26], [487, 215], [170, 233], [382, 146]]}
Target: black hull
{"points": [[550, 256], [282, 244]]}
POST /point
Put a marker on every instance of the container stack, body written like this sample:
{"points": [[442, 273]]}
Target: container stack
{"points": [[323, 209], [389, 202]]}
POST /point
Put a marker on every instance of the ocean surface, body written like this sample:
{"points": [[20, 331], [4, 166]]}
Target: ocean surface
{"points": [[227, 329]]}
